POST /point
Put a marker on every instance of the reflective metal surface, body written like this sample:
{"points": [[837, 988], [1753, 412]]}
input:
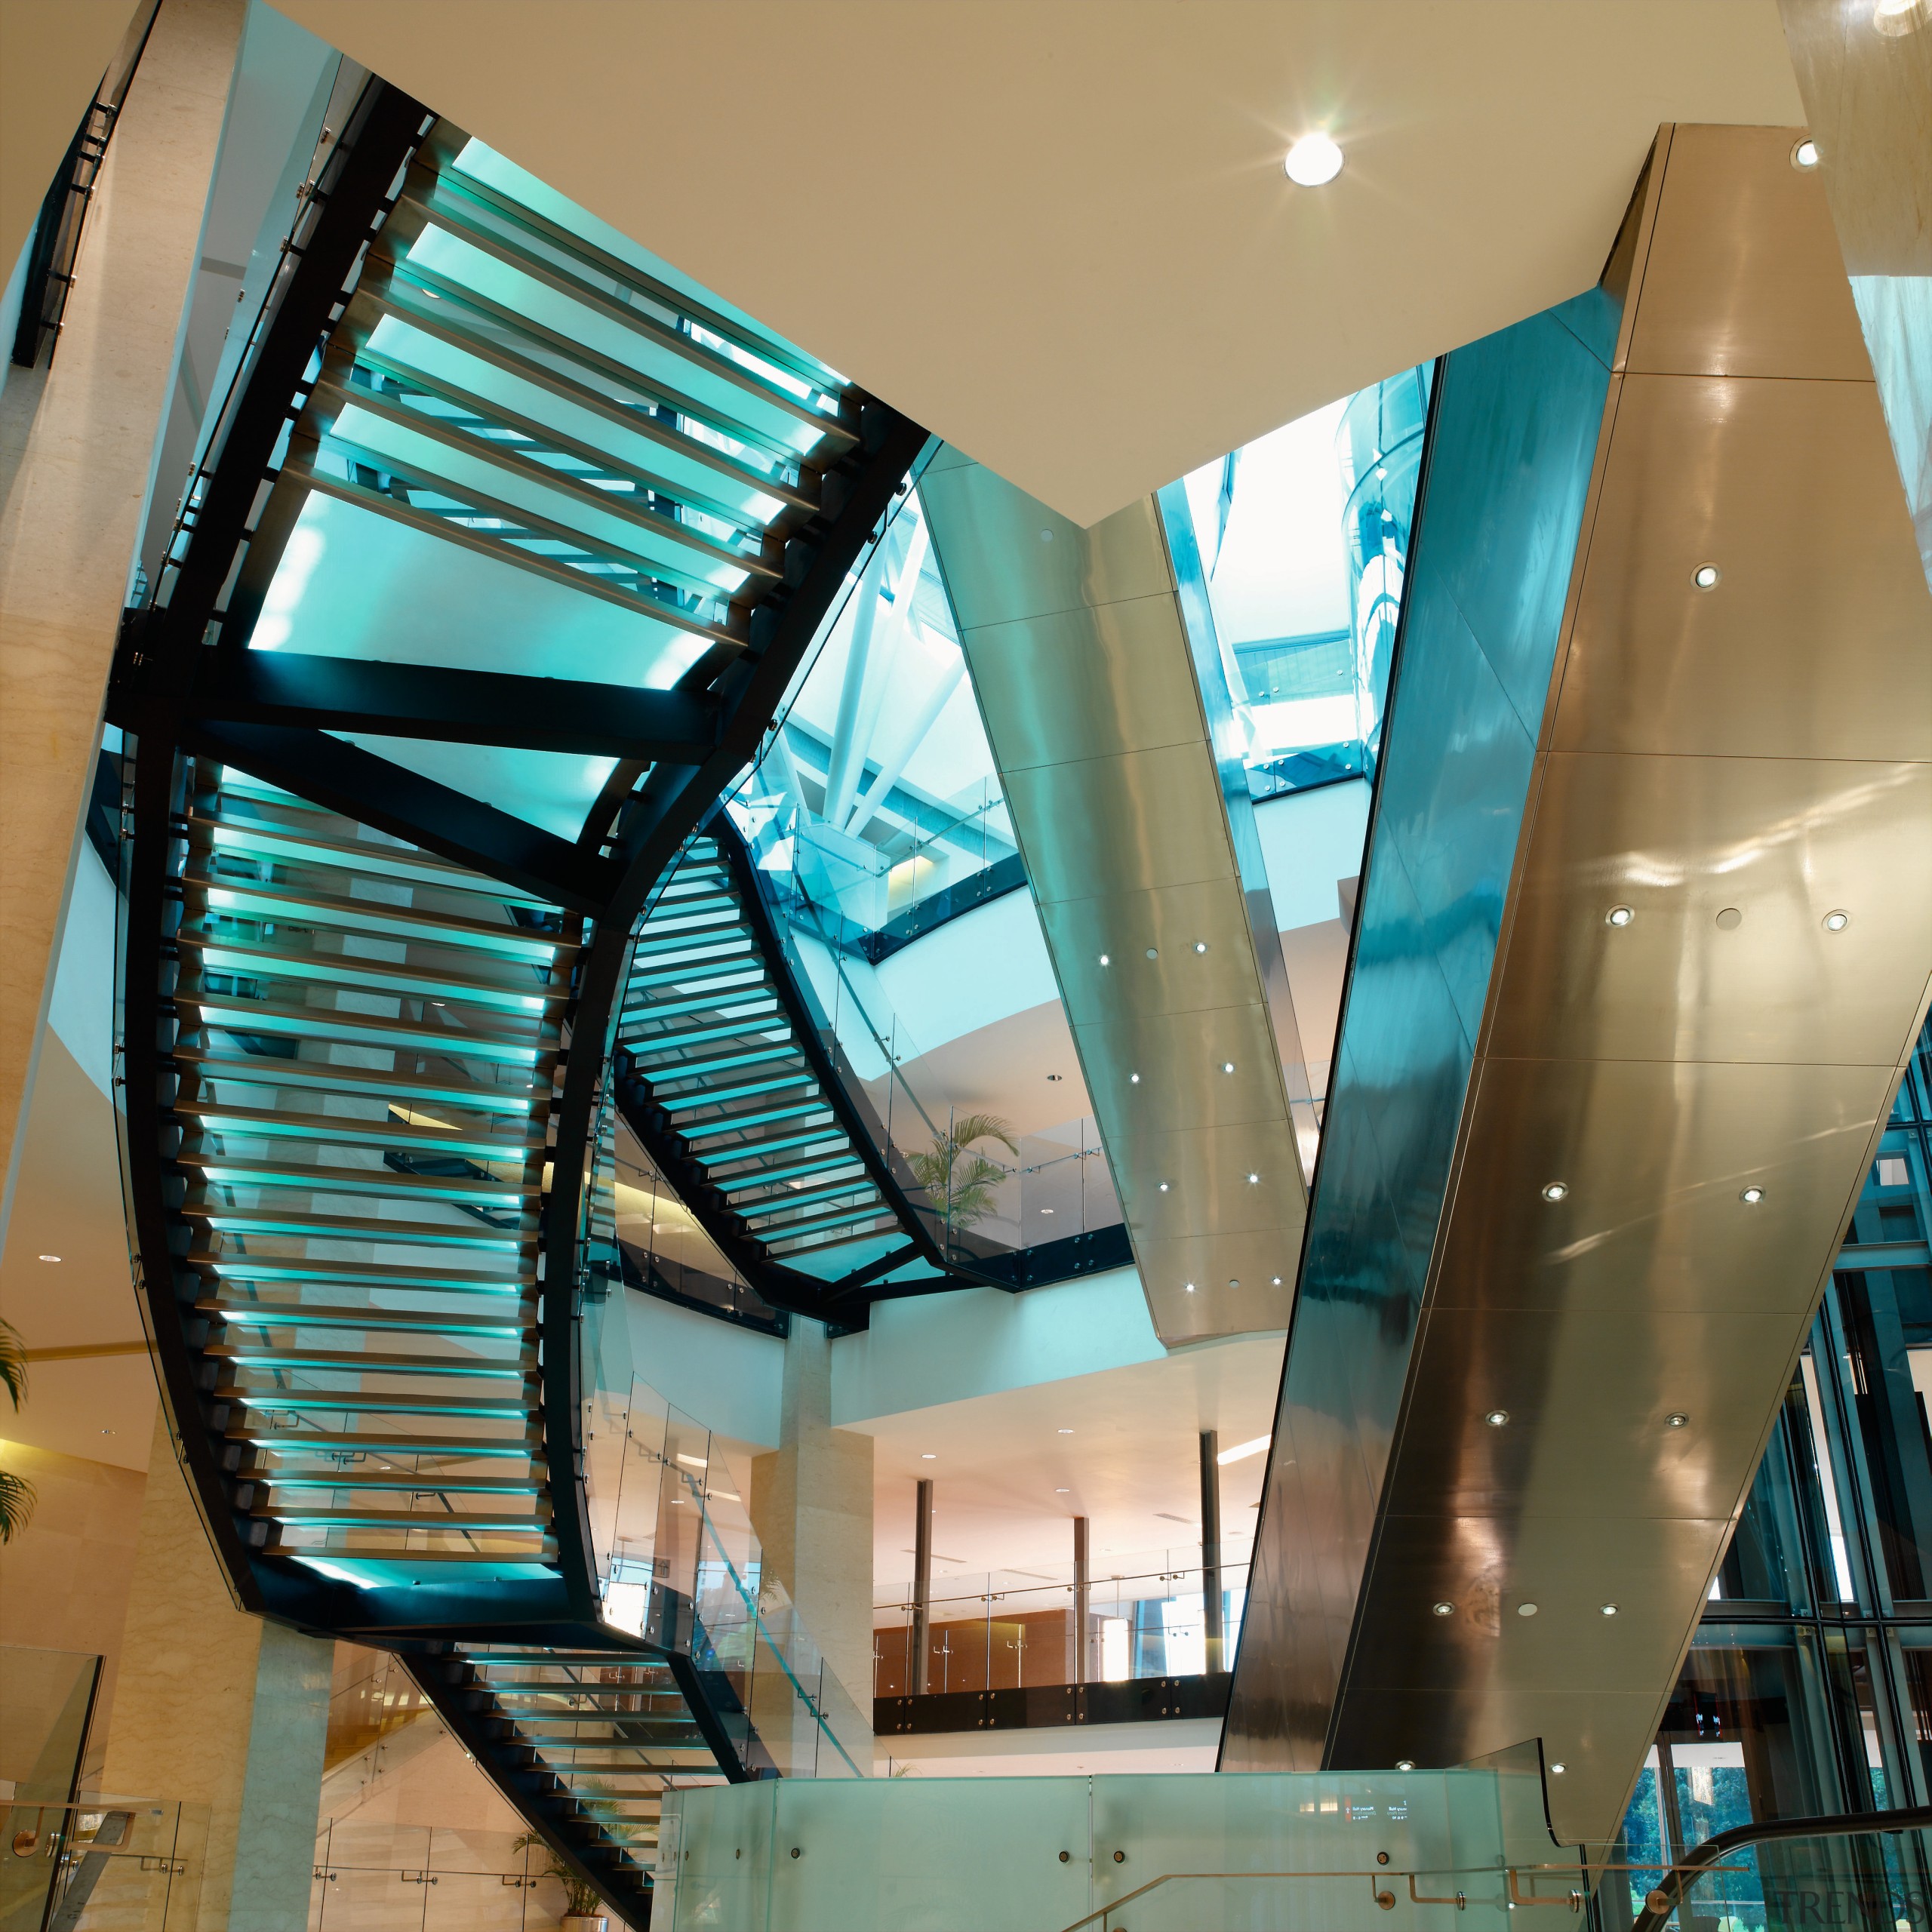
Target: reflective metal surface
{"points": [[1578, 727], [1084, 649], [1866, 75]]}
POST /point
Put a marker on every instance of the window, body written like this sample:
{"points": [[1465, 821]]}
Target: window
{"points": [[1892, 1171]]}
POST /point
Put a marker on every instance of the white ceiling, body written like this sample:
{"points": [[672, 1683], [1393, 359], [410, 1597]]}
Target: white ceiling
{"points": [[1056, 231]]}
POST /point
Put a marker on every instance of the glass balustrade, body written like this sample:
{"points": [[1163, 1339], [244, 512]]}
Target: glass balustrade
{"points": [[1119, 1853], [1008, 1629], [97, 1863]]}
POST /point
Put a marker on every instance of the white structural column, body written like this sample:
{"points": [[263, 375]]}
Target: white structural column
{"points": [[220, 1709], [77, 443], [811, 1505]]}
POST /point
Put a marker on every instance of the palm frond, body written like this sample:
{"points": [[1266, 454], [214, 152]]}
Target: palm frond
{"points": [[17, 1498], [961, 1183], [13, 1363]]}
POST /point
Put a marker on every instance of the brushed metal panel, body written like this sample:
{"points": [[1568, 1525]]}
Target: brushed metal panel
{"points": [[1783, 842], [1090, 659], [1007, 556], [1171, 922], [1656, 1155], [1206, 1171], [1078, 683], [1179, 1057], [1104, 824], [1588, 1393], [1745, 277], [1812, 643], [1236, 1290]]}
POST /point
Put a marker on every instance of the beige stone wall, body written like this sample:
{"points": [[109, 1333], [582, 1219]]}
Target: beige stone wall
{"points": [[77, 443], [64, 1581]]}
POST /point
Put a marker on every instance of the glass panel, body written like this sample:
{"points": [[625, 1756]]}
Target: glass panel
{"points": [[1252, 1851], [103, 1864]]}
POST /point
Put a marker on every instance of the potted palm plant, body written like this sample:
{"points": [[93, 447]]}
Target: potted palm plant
{"points": [[961, 1181], [584, 1910]]}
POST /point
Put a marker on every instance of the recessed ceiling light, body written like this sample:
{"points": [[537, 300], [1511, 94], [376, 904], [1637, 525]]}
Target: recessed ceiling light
{"points": [[1804, 153], [928, 1456], [1153, 952], [1706, 577], [1526, 1610], [1190, 1288], [1277, 1280], [1046, 1210], [1234, 1281], [1443, 1609], [1677, 1419], [1557, 1770], [1751, 1196], [1134, 1080], [1062, 1492], [1610, 1610], [49, 1257], [1618, 915], [107, 1431], [1836, 922], [1066, 1432], [1556, 1190], [1313, 162], [1046, 536], [1053, 1077], [1105, 961], [1496, 1418], [1405, 1763], [1255, 1180], [1227, 1066], [1200, 946], [1163, 1187]]}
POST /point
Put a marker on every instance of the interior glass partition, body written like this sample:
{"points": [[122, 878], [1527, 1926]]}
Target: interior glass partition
{"points": [[1808, 1690]]}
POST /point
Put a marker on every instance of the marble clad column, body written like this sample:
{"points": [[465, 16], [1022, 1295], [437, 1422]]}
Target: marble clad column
{"points": [[77, 444], [221, 1709], [812, 1507]]}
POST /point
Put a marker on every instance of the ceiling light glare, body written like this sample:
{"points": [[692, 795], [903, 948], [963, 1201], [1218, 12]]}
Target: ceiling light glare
{"points": [[1277, 1280], [1836, 922], [1556, 1190], [1751, 1196], [1200, 946], [1190, 1288], [1893, 17], [1618, 915], [1241, 1451], [1805, 155], [1134, 1080], [1313, 162], [1105, 961], [1706, 577], [1255, 1180], [1443, 1609], [1496, 1418], [1227, 1066]]}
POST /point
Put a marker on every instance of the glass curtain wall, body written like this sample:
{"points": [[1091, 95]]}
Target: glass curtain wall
{"points": [[1808, 1688]]}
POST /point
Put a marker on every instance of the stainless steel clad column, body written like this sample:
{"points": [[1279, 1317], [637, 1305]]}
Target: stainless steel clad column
{"points": [[922, 1588], [1080, 1600], [1211, 1551], [1080, 652]]}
